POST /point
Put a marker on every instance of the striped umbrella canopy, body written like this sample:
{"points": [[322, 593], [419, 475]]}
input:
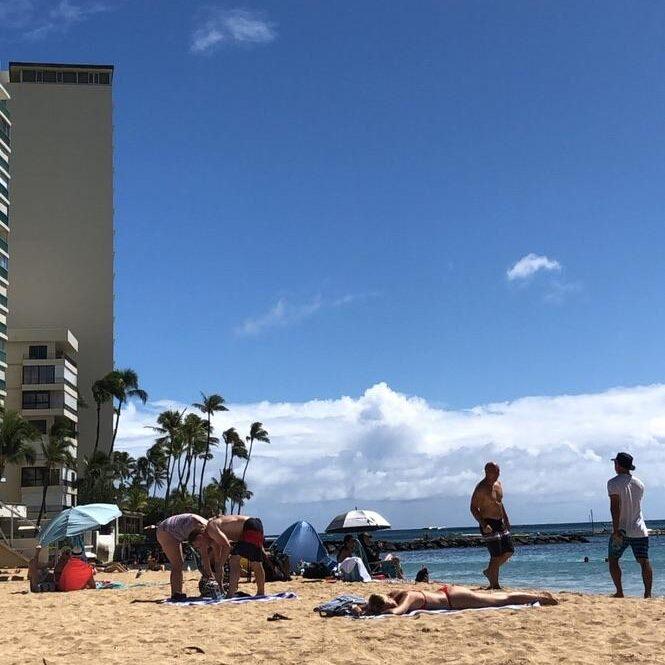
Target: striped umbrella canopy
{"points": [[75, 521], [357, 520]]}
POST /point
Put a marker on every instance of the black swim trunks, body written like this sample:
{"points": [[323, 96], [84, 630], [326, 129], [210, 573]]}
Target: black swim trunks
{"points": [[250, 545], [499, 541]]}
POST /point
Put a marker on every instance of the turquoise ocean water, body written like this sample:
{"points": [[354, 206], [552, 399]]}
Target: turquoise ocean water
{"points": [[555, 567]]}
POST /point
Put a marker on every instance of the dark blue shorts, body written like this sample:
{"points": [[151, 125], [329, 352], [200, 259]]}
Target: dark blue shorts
{"points": [[640, 547]]}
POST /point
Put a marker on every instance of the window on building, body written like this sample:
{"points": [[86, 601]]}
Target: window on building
{"points": [[69, 77], [36, 399], [29, 75], [33, 476], [38, 352], [49, 76], [39, 425], [38, 374]]}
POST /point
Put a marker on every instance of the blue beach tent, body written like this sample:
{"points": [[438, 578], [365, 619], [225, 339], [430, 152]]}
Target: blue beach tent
{"points": [[301, 542]]}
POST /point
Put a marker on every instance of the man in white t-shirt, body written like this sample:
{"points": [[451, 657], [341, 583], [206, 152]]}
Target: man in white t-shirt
{"points": [[628, 526]]}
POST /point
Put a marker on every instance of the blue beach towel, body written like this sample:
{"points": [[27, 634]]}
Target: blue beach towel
{"points": [[285, 595]]}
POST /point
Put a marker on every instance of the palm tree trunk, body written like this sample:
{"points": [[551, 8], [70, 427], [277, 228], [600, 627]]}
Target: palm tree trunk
{"points": [[249, 456], [169, 472], [226, 455], [99, 412], [194, 478], [42, 508], [203, 466], [115, 429]]}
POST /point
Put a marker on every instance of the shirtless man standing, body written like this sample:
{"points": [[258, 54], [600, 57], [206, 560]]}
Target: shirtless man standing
{"points": [[488, 509], [233, 536]]}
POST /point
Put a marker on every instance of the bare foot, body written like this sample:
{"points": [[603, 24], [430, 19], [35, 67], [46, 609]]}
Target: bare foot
{"points": [[617, 595], [486, 574], [647, 595], [546, 598]]}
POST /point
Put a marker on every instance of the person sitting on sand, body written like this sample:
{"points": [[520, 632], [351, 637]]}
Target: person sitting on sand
{"points": [[488, 509], [171, 533], [348, 548], [231, 537], [449, 597], [422, 575]]}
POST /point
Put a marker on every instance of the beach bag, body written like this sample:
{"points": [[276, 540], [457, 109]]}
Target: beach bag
{"points": [[75, 576], [339, 606], [277, 567], [316, 571]]}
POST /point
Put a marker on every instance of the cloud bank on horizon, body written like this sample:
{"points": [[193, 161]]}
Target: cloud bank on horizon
{"points": [[385, 445]]}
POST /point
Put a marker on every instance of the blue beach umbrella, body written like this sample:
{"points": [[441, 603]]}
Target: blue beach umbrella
{"points": [[76, 521]]}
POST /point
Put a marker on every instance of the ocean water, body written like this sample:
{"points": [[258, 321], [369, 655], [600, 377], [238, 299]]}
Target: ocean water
{"points": [[554, 567]]}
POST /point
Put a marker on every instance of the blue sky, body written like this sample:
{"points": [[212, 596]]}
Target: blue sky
{"points": [[314, 197]]}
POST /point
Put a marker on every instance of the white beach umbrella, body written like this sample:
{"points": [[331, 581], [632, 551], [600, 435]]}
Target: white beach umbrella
{"points": [[357, 520]]}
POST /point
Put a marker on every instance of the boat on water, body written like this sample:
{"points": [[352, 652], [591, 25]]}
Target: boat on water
{"points": [[434, 528]]}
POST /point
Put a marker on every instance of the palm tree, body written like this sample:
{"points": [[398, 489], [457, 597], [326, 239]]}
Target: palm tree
{"points": [[223, 488], [136, 499], [194, 436], [170, 442], [123, 466], [124, 385], [16, 434], [256, 433], [156, 477], [231, 440], [56, 452], [102, 392], [96, 482], [209, 405]]}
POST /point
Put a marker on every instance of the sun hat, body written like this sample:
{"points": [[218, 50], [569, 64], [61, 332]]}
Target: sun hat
{"points": [[624, 460]]}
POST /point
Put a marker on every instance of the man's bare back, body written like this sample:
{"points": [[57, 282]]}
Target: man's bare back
{"points": [[230, 525]]}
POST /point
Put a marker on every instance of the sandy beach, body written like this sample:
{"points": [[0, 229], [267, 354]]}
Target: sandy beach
{"points": [[129, 625]]}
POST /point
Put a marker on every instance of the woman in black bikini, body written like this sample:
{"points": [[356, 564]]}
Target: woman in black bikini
{"points": [[450, 597]]}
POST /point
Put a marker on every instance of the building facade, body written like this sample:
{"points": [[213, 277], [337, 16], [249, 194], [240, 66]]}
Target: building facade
{"points": [[62, 219], [42, 385], [5, 152]]}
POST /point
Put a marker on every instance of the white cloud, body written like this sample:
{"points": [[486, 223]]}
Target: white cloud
{"points": [[231, 26], [530, 264], [281, 314], [34, 19], [15, 13], [285, 313], [385, 446]]}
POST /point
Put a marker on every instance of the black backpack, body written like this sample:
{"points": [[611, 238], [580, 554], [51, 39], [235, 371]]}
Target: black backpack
{"points": [[277, 567]]}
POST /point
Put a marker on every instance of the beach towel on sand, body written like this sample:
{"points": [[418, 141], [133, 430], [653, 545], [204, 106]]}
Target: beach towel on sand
{"points": [[285, 595], [417, 612]]}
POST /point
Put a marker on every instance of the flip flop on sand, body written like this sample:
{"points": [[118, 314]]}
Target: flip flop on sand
{"points": [[278, 617]]}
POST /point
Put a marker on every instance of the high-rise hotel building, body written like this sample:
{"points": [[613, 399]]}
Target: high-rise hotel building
{"points": [[62, 232], [5, 151]]}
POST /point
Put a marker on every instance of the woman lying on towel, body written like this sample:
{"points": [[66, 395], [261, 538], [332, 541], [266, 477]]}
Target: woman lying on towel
{"points": [[449, 597]]}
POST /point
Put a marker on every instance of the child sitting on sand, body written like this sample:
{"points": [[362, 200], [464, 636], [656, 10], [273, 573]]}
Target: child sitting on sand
{"points": [[449, 597]]}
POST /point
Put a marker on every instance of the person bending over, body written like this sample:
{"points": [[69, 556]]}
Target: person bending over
{"points": [[449, 597], [171, 533], [232, 537]]}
